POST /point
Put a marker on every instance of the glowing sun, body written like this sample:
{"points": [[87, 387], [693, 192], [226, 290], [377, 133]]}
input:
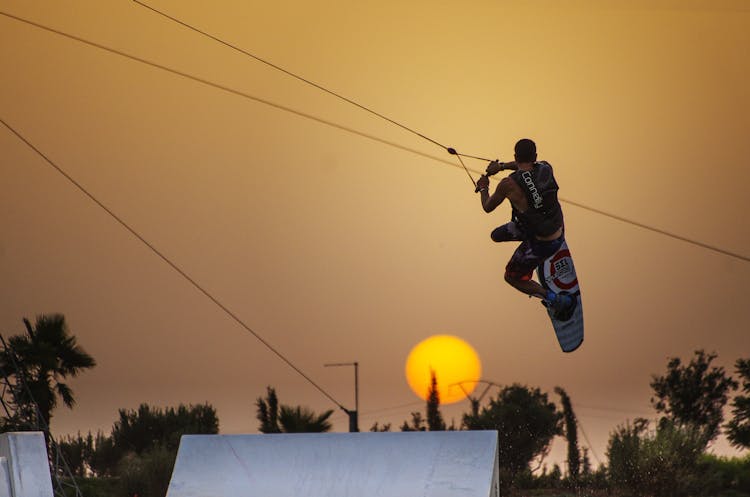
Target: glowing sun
{"points": [[453, 361]]}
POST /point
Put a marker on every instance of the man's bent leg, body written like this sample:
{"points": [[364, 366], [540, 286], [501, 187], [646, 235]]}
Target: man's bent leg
{"points": [[508, 232], [529, 287], [520, 270]]}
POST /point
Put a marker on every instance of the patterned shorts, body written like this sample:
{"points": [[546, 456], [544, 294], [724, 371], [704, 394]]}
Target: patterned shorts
{"points": [[529, 254]]}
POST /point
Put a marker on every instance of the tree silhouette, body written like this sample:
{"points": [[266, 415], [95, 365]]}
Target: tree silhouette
{"points": [[377, 427], [694, 394], [300, 419], [738, 428], [147, 427], [417, 423], [275, 418], [268, 412], [664, 462], [76, 451], [571, 434], [44, 356], [434, 418], [526, 422]]}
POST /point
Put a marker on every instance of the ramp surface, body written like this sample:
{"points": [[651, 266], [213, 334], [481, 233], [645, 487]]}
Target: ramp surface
{"points": [[24, 468], [405, 464]]}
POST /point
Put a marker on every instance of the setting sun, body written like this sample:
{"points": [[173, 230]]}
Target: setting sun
{"points": [[453, 361]]}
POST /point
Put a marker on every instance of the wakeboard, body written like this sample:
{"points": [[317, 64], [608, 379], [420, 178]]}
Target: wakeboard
{"points": [[557, 273]]}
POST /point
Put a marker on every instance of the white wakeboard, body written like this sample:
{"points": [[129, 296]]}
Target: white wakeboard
{"points": [[557, 273]]}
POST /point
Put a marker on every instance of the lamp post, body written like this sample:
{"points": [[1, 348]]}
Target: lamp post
{"points": [[353, 415]]}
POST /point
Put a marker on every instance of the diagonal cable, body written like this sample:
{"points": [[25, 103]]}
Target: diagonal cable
{"points": [[367, 109], [358, 133], [166, 259], [591, 447], [289, 73], [660, 231]]}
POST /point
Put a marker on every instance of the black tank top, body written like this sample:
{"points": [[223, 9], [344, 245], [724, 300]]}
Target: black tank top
{"points": [[544, 214]]}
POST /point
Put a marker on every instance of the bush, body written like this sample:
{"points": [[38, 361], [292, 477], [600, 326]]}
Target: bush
{"points": [[147, 475], [597, 479], [95, 487], [663, 463], [723, 476]]}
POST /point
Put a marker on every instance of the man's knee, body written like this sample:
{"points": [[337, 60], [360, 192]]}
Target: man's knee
{"points": [[499, 234], [512, 279], [516, 279], [506, 233]]}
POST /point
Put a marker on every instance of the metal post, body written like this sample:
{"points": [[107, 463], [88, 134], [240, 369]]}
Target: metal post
{"points": [[356, 387], [353, 415]]}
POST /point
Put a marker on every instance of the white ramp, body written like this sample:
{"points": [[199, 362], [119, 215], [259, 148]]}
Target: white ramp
{"points": [[404, 464], [24, 468]]}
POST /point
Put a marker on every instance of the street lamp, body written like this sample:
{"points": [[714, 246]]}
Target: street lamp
{"points": [[353, 415]]}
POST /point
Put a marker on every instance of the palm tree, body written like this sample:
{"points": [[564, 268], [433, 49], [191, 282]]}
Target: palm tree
{"points": [[287, 419], [303, 420], [268, 412], [42, 358]]}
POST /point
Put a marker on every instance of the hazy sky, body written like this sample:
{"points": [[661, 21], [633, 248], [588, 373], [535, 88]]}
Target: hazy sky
{"points": [[336, 247]]}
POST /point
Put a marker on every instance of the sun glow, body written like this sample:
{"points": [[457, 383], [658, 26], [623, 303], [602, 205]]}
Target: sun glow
{"points": [[451, 359]]}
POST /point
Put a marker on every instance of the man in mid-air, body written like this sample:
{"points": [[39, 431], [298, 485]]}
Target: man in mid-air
{"points": [[537, 221]]}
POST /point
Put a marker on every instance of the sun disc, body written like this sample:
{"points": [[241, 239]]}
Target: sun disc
{"points": [[452, 360]]}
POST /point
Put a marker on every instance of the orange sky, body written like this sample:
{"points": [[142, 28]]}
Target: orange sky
{"points": [[335, 247]]}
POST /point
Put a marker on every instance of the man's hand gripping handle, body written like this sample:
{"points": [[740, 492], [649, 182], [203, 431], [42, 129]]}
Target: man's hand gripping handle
{"points": [[493, 168]]}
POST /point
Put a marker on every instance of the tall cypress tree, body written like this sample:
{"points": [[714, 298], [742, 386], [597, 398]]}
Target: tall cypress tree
{"points": [[434, 418], [571, 434]]}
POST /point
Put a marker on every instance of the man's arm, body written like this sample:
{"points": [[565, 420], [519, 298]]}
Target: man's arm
{"points": [[495, 167], [490, 202]]}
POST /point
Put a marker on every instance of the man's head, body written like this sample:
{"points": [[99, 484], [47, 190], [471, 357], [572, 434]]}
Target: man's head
{"points": [[525, 150]]}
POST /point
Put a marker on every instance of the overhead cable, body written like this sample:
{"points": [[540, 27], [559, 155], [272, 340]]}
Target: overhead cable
{"points": [[362, 134], [449, 149], [173, 265]]}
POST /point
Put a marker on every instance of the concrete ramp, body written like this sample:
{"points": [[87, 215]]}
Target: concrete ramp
{"points": [[404, 464], [24, 468]]}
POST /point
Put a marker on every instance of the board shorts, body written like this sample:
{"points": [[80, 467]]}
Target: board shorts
{"points": [[529, 254]]}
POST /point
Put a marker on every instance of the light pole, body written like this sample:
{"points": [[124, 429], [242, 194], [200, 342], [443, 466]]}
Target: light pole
{"points": [[353, 415]]}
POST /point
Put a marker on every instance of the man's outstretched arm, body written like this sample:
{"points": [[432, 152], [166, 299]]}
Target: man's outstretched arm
{"points": [[495, 167], [490, 202]]}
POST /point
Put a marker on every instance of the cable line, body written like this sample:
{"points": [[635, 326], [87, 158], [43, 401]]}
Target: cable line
{"points": [[450, 150], [661, 231], [289, 73], [233, 91], [174, 266], [591, 447], [360, 133]]}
